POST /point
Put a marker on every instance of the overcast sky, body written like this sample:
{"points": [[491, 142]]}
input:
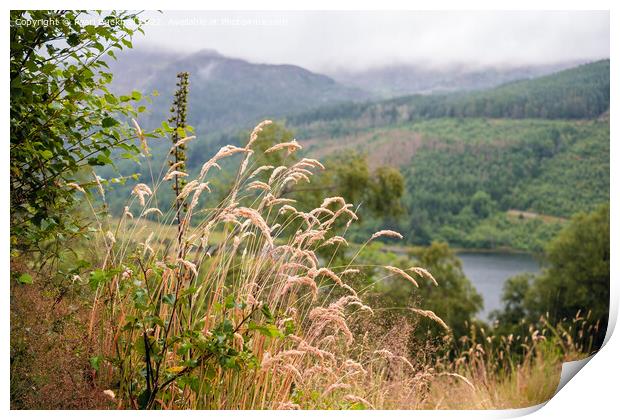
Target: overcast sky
{"points": [[324, 41]]}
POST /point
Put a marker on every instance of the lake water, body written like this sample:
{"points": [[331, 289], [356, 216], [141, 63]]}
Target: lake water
{"points": [[489, 271]]}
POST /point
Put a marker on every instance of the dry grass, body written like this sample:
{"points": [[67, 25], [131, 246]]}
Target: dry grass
{"points": [[240, 307], [139, 230], [531, 383], [393, 147], [50, 366], [513, 371], [299, 352]]}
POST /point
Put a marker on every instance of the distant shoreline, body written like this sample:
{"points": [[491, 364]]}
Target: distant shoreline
{"points": [[405, 249]]}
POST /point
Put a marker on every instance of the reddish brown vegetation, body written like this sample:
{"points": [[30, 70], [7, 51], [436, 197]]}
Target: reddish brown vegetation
{"points": [[50, 366]]}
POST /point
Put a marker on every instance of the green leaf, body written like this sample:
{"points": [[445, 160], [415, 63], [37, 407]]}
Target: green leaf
{"points": [[168, 299], [103, 160], [97, 278], [189, 291], [111, 99], [184, 348], [229, 302], [143, 399], [227, 326], [155, 320], [267, 313], [289, 327], [108, 122], [268, 330], [25, 278], [73, 40], [192, 381], [95, 362], [46, 154], [130, 157]]}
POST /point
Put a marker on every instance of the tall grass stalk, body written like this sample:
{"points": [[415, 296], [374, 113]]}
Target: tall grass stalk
{"points": [[239, 312]]}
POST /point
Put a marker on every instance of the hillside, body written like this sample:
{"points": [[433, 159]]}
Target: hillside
{"points": [[577, 93], [470, 181], [475, 180], [226, 93], [229, 93], [463, 190], [477, 173]]}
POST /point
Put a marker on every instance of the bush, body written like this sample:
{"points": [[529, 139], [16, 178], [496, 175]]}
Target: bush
{"points": [[64, 120]]}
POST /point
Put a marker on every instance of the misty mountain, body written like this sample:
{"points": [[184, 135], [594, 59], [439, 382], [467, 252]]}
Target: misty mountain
{"points": [[226, 93], [398, 80], [580, 92]]}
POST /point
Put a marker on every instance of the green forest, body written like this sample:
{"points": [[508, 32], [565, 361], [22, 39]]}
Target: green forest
{"points": [[578, 93], [309, 262], [478, 181], [489, 193]]}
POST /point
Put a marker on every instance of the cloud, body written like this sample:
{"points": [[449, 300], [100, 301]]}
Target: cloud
{"points": [[333, 40]]}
